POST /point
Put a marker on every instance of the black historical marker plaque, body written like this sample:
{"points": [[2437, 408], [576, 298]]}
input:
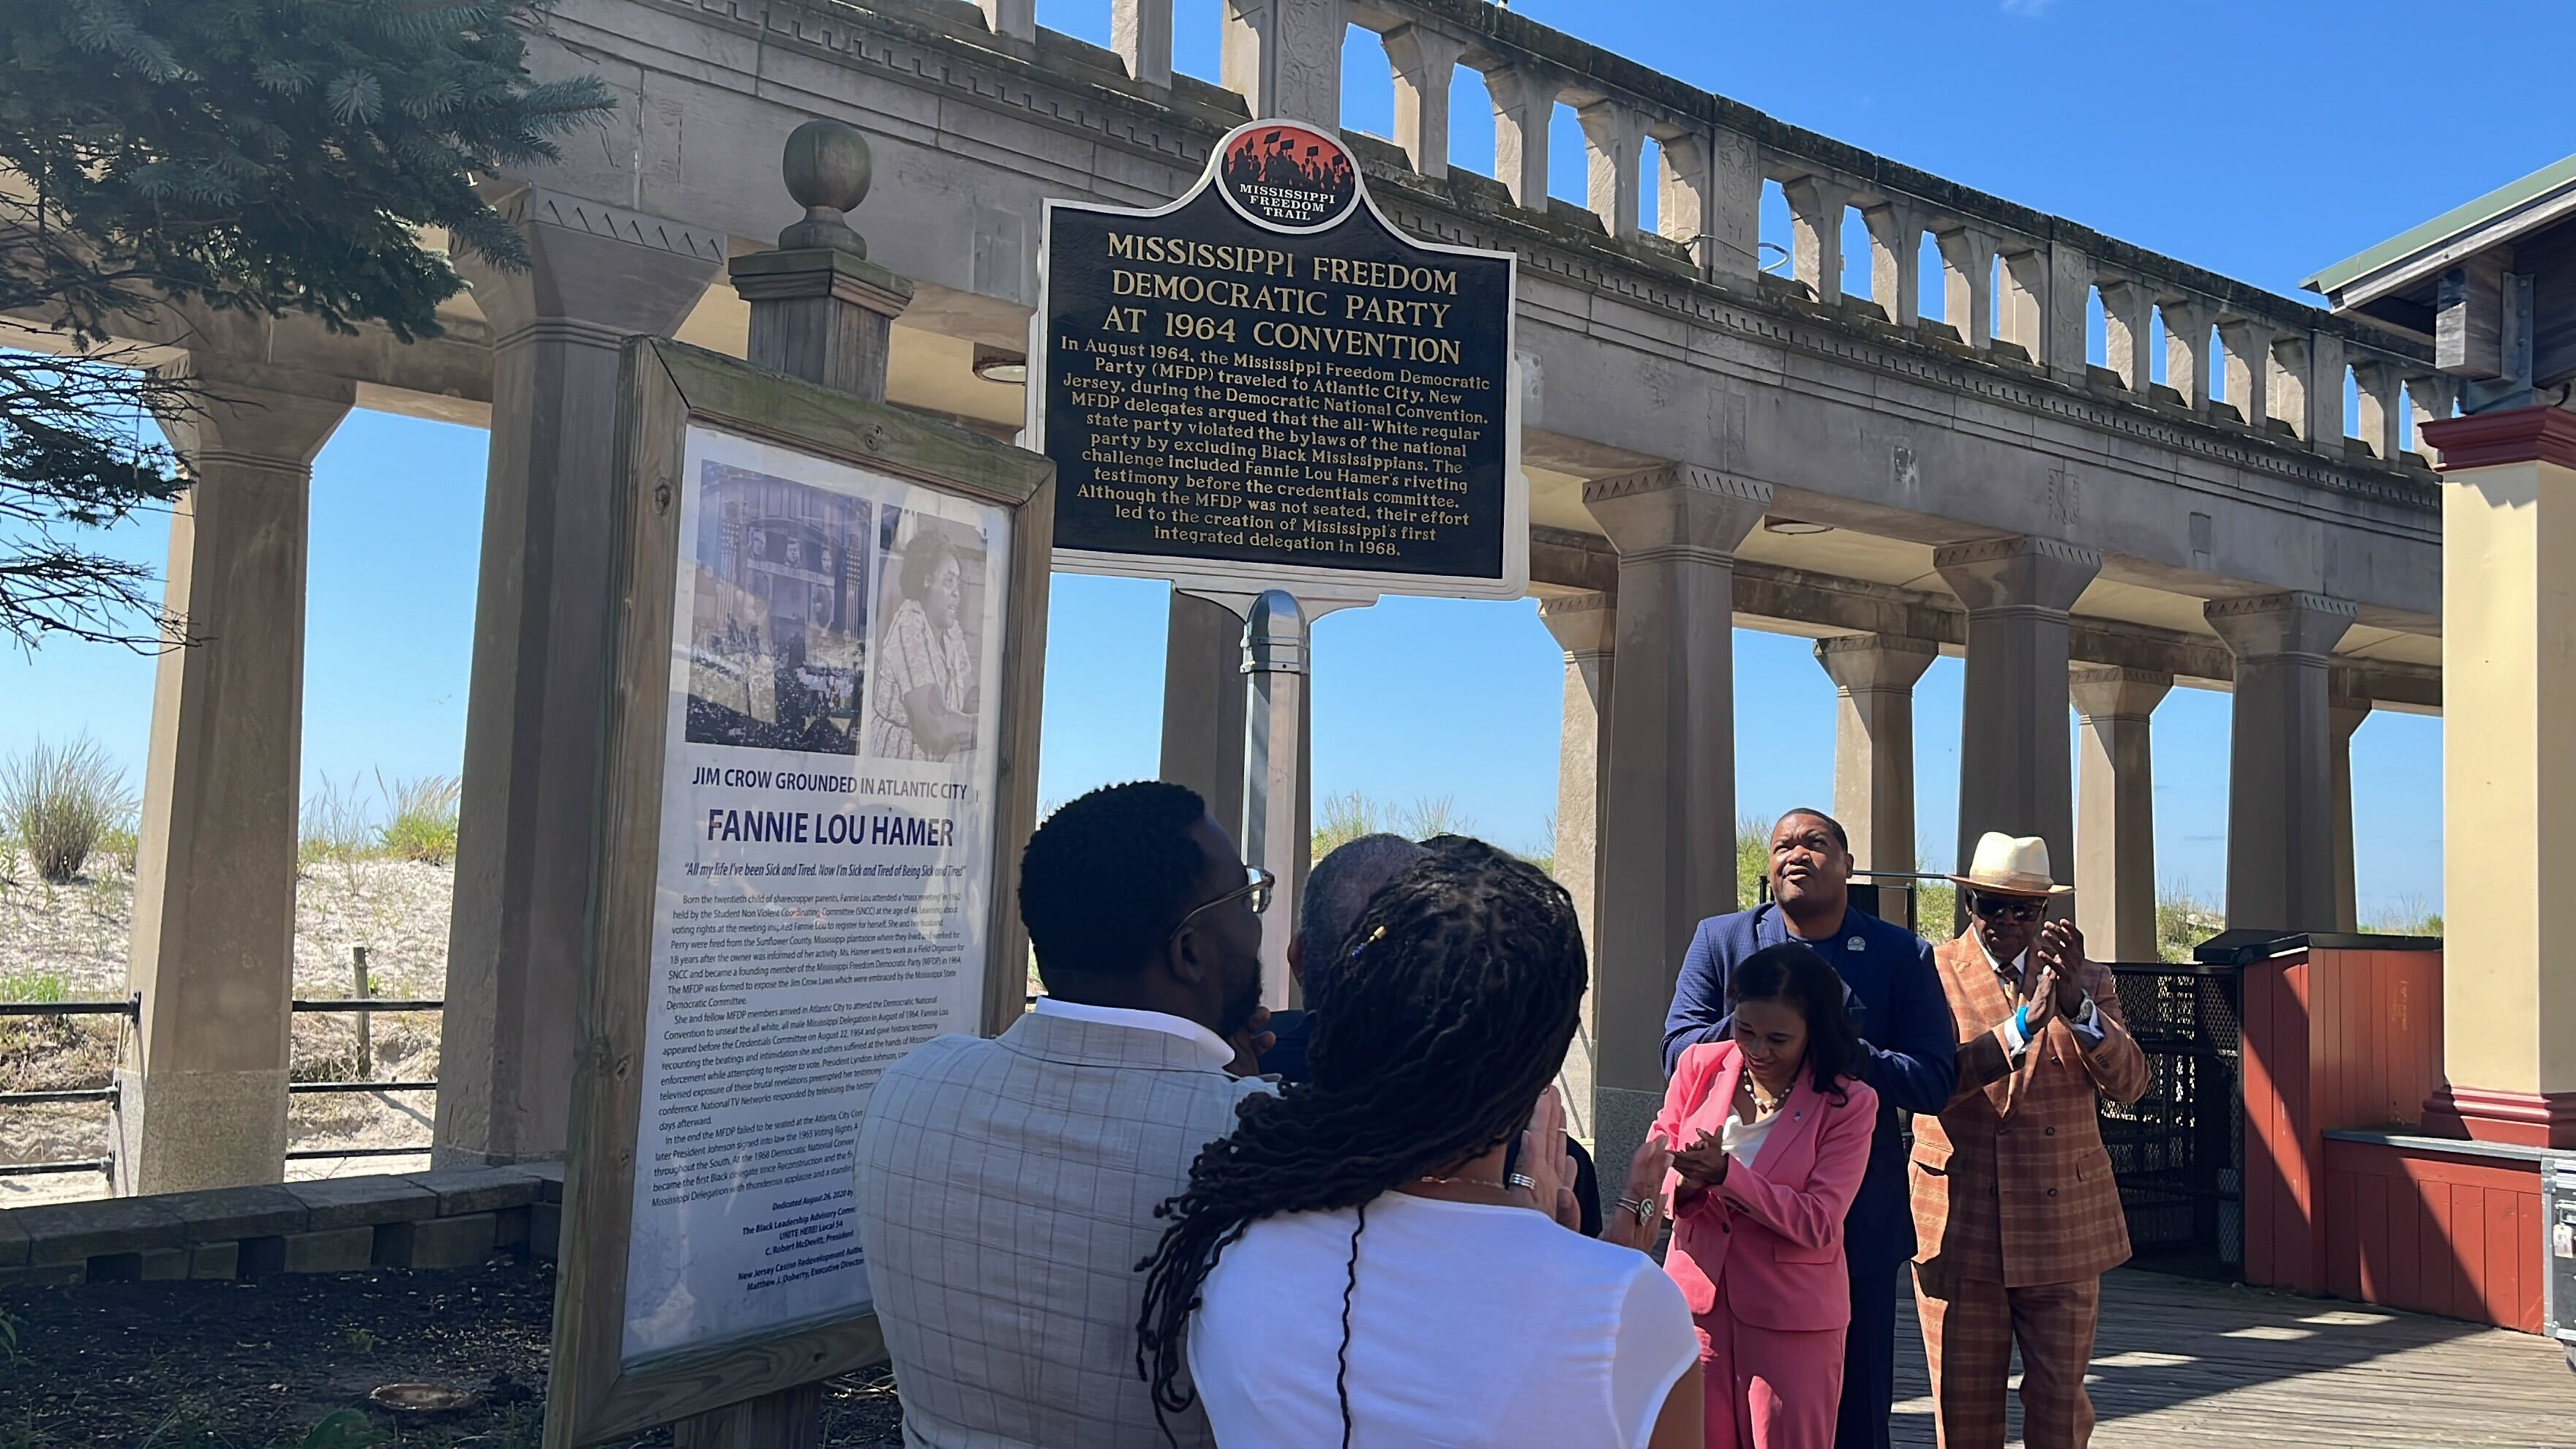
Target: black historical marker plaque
{"points": [[1267, 379]]}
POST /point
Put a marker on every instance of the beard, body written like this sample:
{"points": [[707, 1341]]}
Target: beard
{"points": [[1240, 1002]]}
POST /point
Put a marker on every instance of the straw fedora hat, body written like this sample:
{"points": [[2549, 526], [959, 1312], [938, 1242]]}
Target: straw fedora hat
{"points": [[2007, 866]]}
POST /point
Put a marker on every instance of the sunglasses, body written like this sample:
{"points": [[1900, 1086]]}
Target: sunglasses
{"points": [[1257, 887], [2007, 908]]}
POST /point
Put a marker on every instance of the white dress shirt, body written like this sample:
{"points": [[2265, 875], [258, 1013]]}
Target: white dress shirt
{"points": [[1743, 1140], [2086, 1023], [1210, 1045]]}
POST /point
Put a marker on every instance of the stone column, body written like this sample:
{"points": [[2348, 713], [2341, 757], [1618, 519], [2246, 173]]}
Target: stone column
{"points": [[2280, 777], [1895, 266], [1585, 626], [203, 1088], [1816, 206], [1874, 677], [1968, 284], [1284, 57], [1203, 703], [1524, 100], [1667, 855], [1203, 717], [2187, 327], [2013, 755], [1425, 62], [1141, 32], [2347, 705], [538, 696], [2115, 811], [2508, 777]]}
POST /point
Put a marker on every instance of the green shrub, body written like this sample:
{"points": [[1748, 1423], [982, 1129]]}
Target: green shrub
{"points": [[1343, 818], [335, 826], [2408, 915], [35, 986], [1936, 910], [1752, 860], [2183, 921], [122, 844], [59, 803], [421, 818]]}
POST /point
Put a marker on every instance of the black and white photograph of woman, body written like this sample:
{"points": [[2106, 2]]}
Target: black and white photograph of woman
{"points": [[925, 692]]}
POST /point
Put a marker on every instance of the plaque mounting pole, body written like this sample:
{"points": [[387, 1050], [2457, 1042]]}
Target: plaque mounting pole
{"points": [[1274, 670]]}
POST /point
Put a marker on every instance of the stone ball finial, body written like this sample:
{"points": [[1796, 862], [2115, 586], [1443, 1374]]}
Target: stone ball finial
{"points": [[828, 168]]}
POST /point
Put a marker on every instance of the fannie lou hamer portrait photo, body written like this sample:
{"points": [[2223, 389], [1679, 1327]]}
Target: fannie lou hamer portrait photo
{"points": [[925, 696], [779, 614]]}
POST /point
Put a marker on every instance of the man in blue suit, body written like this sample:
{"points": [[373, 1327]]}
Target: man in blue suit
{"points": [[1904, 1019]]}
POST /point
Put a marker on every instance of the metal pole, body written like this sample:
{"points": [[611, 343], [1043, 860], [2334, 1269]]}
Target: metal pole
{"points": [[1274, 666], [366, 1019]]}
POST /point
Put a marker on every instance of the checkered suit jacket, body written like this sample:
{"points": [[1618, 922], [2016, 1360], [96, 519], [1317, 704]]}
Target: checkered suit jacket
{"points": [[2011, 1183], [1006, 1193]]}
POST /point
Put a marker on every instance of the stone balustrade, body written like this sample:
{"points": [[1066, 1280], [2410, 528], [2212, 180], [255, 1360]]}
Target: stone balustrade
{"points": [[2017, 287]]}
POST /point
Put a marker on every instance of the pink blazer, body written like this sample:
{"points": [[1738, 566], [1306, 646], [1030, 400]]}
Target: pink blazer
{"points": [[1776, 1223]]}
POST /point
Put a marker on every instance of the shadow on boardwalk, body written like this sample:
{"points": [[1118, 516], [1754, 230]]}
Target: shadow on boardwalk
{"points": [[252, 1364], [2182, 1361]]}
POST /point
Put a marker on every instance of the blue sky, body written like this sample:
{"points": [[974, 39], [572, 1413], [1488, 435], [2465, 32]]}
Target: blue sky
{"points": [[2260, 141]]}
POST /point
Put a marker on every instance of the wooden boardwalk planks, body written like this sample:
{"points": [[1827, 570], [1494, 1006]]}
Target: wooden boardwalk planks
{"points": [[2183, 1362]]}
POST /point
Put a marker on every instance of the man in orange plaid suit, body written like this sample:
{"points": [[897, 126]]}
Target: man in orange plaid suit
{"points": [[2015, 1208]]}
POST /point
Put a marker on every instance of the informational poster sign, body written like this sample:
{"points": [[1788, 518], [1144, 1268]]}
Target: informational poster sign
{"points": [[1266, 384], [824, 876], [818, 763]]}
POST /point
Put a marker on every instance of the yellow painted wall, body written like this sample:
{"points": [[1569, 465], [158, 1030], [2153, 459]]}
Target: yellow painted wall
{"points": [[2509, 777]]}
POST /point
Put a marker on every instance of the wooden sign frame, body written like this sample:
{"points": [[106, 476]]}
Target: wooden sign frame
{"points": [[664, 388]]}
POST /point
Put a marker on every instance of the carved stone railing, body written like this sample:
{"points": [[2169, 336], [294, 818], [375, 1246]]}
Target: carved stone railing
{"points": [[2017, 285]]}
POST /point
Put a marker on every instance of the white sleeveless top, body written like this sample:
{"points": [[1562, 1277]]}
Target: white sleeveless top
{"points": [[1471, 1325]]}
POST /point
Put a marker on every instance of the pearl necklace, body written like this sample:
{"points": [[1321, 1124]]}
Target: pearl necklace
{"points": [[1763, 1106]]}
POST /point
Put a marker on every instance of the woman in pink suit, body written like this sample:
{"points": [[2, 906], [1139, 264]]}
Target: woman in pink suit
{"points": [[1771, 1129]]}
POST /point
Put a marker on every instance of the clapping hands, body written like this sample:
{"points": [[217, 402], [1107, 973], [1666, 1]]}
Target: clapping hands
{"points": [[2058, 989], [1702, 1165]]}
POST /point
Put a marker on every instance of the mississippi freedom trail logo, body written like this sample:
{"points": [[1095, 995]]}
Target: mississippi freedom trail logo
{"points": [[1288, 176]]}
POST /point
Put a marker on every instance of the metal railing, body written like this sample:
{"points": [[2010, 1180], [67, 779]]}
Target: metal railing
{"points": [[364, 1006], [2179, 1150]]}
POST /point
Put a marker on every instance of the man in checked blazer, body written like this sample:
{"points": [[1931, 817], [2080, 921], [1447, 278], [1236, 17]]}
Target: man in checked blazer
{"points": [[1006, 1188], [2015, 1211]]}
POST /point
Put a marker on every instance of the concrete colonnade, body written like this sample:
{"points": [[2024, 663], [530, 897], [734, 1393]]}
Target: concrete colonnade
{"points": [[1204, 707], [542, 620], [2281, 809], [2348, 704], [2115, 819], [202, 1089], [1643, 847], [1586, 628], [1874, 677], [1667, 856], [2013, 765]]}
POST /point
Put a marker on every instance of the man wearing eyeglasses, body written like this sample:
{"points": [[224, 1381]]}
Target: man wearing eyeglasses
{"points": [[1006, 1188], [2016, 1214]]}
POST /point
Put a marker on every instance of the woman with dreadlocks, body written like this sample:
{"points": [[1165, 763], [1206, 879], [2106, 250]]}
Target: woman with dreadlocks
{"points": [[1353, 1266], [1771, 1134]]}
